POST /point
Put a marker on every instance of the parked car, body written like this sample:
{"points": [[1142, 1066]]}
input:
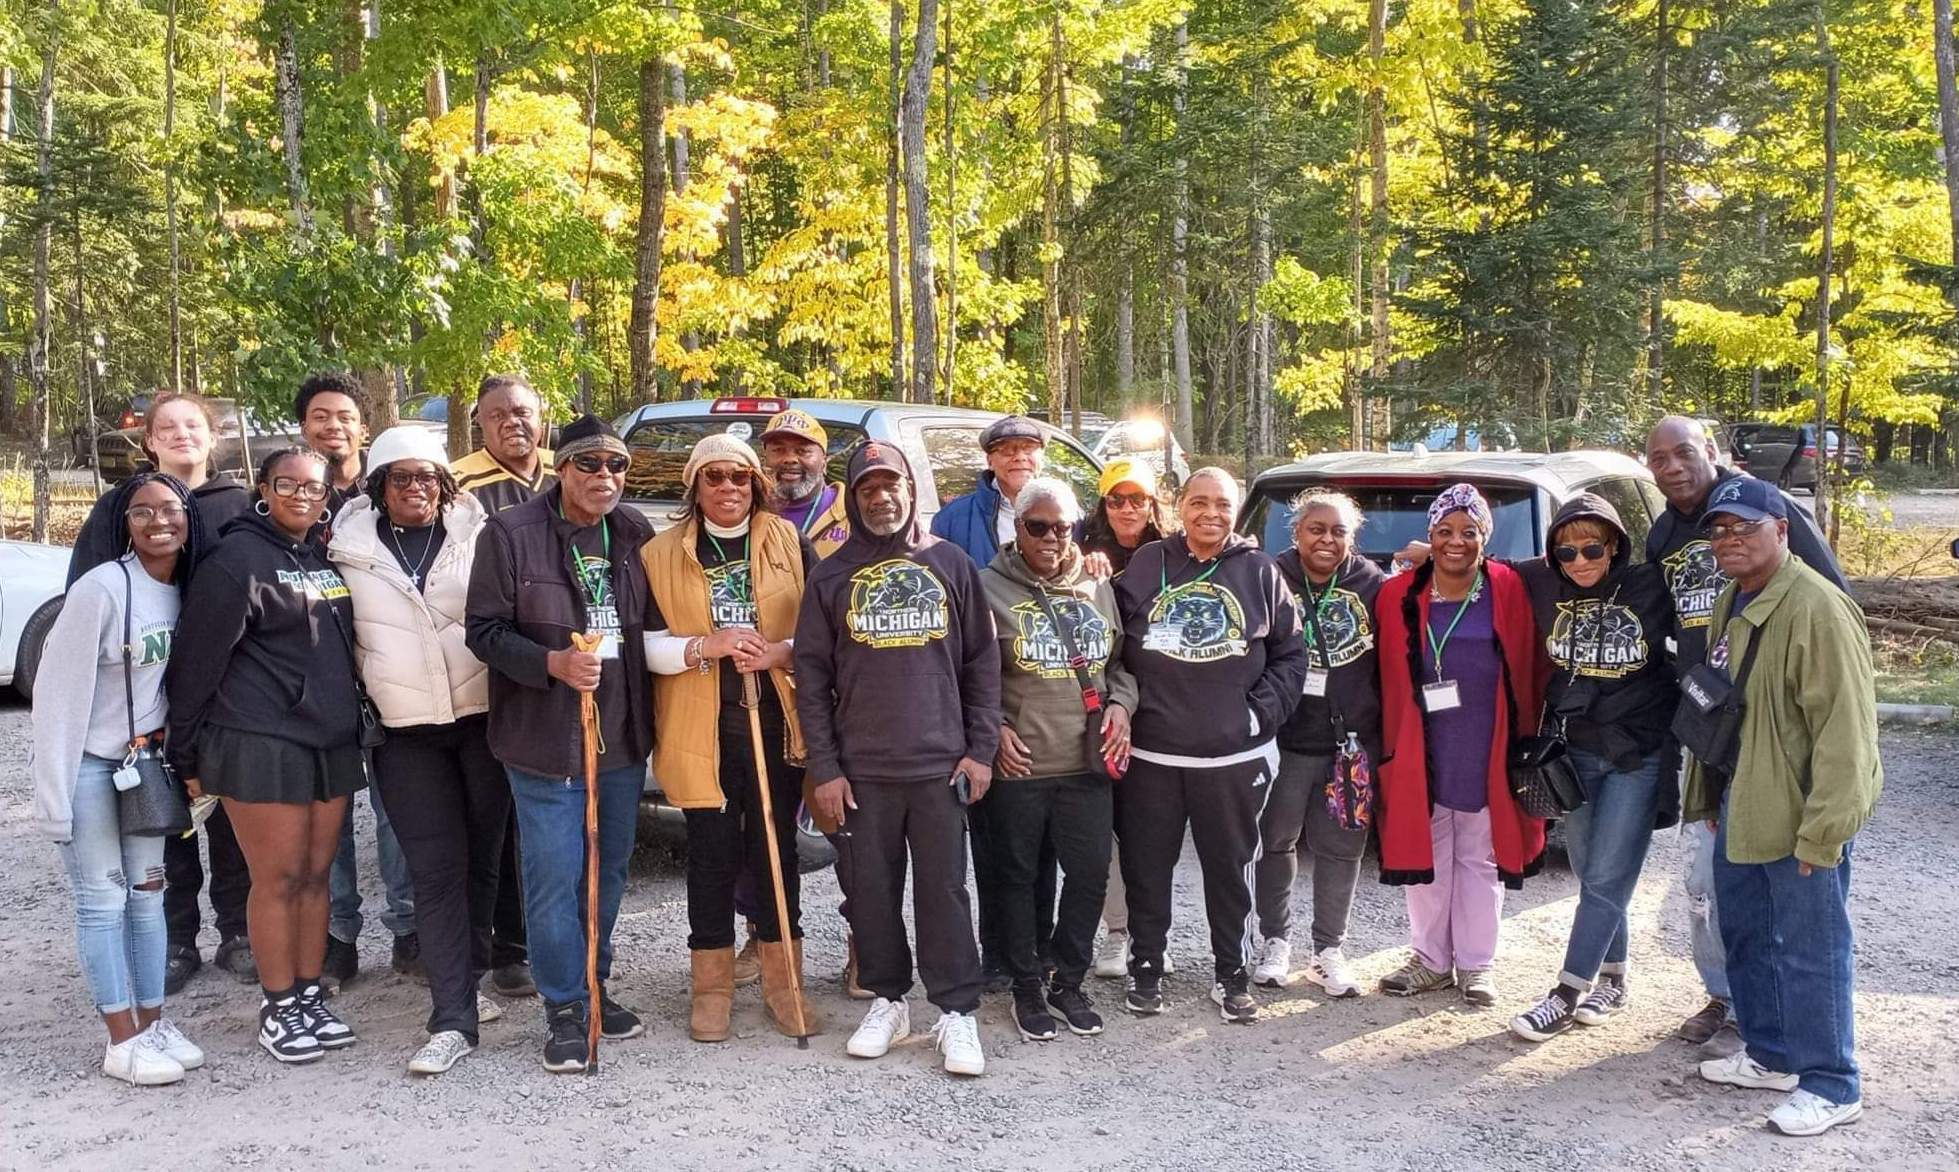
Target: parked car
{"points": [[241, 441], [1786, 453], [941, 444], [1393, 489], [33, 579], [1143, 439]]}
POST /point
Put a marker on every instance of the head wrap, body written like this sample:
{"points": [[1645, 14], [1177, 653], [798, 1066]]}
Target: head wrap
{"points": [[713, 449], [1462, 498]]}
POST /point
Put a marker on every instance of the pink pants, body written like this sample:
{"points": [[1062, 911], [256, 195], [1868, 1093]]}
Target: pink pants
{"points": [[1453, 921]]}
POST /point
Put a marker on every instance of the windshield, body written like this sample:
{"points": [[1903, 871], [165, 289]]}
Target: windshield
{"points": [[1396, 515], [660, 447]]}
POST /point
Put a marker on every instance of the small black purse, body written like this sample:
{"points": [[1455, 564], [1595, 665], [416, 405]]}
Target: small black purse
{"points": [[1543, 778], [1708, 724], [155, 805]]}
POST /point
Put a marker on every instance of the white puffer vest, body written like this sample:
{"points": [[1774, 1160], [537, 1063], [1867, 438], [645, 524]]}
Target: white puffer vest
{"points": [[409, 645]]}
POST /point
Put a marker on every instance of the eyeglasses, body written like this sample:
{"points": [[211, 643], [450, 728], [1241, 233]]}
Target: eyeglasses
{"points": [[592, 465], [1041, 529], [144, 514], [1725, 530], [312, 490], [1591, 551], [1127, 500], [424, 479], [717, 477]]}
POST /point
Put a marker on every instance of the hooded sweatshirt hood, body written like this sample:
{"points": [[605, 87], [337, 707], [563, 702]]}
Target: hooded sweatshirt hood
{"points": [[1591, 507], [863, 546]]}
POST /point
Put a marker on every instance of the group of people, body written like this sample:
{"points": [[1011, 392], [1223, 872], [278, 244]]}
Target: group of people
{"points": [[1035, 680]]}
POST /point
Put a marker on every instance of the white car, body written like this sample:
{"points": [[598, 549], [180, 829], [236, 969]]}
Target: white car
{"points": [[33, 579], [1143, 439]]}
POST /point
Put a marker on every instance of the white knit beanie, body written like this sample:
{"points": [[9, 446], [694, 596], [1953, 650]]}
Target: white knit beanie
{"points": [[717, 447]]}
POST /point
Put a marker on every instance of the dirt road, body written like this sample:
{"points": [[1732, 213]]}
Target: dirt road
{"points": [[1370, 1084]]}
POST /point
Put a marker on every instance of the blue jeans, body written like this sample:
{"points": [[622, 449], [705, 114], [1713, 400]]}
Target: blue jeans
{"points": [[551, 822], [1607, 839], [343, 884], [1790, 964], [1703, 915], [119, 928]]}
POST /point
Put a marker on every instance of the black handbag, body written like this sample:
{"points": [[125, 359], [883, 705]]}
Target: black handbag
{"points": [[1092, 706], [1543, 778], [1708, 724], [155, 805]]}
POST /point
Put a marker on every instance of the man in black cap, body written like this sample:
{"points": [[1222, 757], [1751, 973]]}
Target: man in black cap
{"points": [[895, 624], [565, 561], [983, 520]]}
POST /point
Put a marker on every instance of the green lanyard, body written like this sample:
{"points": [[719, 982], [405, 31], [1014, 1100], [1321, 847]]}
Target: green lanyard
{"points": [[1163, 576], [748, 591], [816, 510], [1313, 614], [581, 561], [1434, 647]]}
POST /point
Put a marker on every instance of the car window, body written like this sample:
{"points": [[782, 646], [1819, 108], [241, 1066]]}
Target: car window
{"points": [[659, 450], [957, 461], [1630, 503], [1398, 514]]}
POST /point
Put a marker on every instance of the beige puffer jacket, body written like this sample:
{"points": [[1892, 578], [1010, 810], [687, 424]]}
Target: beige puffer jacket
{"points": [[409, 646]]}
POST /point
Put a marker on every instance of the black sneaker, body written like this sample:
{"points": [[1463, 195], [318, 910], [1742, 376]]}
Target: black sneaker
{"points": [[1607, 998], [564, 1048], [1075, 1007], [341, 966], [282, 1031], [616, 1022], [1031, 1014], [407, 958], [320, 1021], [1233, 996], [1548, 1018], [513, 980], [234, 956], [178, 968], [1145, 996]]}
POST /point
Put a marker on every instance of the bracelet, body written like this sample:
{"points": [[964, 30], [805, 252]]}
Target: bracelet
{"points": [[697, 647]]}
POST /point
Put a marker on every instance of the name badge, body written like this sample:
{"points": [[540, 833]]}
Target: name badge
{"points": [[1441, 696], [1165, 637], [609, 647], [1315, 681]]}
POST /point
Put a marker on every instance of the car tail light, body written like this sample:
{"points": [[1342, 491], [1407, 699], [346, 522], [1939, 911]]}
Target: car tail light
{"points": [[1809, 453], [128, 420], [745, 405]]}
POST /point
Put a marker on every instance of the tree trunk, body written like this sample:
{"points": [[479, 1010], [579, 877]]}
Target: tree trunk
{"points": [[1657, 233], [1125, 331], [1825, 263], [1943, 54], [918, 219], [683, 174], [436, 102], [951, 216], [642, 332], [170, 194], [894, 256], [292, 123], [42, 341], [1054, 344], [1377, 224], [1180, 241], [8, 375]]}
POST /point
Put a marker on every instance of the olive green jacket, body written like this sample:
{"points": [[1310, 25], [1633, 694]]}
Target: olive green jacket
{"points": [[1809, 772]]}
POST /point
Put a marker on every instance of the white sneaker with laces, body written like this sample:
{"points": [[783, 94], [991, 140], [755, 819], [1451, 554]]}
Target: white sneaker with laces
{"points": [[175, 1044], [1274, 963], [957, 1035], [141, 1062], [1112, 959], [1739, 1070], [1807, 1113], [439, 1053], [885, 1024], [487, 1010], [1328, 969]]}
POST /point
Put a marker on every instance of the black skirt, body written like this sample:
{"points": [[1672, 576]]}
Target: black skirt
{"points": [[258, 767]]}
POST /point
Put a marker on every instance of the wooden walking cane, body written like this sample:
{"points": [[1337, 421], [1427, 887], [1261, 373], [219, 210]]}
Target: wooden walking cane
{"points": [[588, 720], [751, 699]]}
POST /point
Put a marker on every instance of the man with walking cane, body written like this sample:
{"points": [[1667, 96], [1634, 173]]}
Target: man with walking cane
{"points": [[567, 562]]}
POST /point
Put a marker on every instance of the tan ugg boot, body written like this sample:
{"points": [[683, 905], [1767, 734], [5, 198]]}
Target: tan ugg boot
{"points": [[783, 991], [851, 988], [714, 994], [748, 967]]}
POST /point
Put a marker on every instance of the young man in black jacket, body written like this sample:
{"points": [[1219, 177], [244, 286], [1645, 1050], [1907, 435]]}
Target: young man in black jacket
{"points": [[563, 562], [898, 690]]}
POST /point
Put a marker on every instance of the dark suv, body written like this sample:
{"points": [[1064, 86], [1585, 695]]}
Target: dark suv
{"points": [[1785, 453]]}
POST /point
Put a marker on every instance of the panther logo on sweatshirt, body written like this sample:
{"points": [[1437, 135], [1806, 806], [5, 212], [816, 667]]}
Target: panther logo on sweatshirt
{"points": [[896, 603], [730, 600], [1039, 651], [1603, 637], [1344, 634], [1695, 581], [1196, 623]]}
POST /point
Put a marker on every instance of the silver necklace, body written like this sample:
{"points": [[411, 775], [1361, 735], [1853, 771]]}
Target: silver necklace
{"points": [[422, 564]]}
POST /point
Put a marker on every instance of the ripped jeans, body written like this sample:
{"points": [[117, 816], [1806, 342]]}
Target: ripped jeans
{"points": [[119, 928]]}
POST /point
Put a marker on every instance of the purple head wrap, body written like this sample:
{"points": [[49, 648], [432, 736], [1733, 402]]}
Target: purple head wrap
{"points": [[1462, 498]]}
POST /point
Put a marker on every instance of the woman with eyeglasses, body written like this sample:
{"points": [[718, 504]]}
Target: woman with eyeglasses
{"points": [[727, 585], [405, 549], [98, 704], [266, 714]]}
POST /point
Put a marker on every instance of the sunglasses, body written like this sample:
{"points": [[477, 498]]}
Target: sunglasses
{"points": [[1041, 529], [592, 465], [144, 514], [312, 490], [405, 479], [1726, 530], [739, 477], [1126, 500], [1591, 551]]}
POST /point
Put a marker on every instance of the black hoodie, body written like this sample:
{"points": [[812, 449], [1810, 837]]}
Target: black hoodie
{"points": [[1214, 647], [102, 539], [1339, 641], [258, 648], [1621, 698], [897, 675]]}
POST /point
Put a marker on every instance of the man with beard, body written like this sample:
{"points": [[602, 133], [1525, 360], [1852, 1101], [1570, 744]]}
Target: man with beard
{"points": [[896, 622], [796, 450], [1681, 456]]}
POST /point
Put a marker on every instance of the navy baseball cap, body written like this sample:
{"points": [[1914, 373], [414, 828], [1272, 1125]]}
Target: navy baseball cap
{"points": [[1747, 498], [1011, 428]]}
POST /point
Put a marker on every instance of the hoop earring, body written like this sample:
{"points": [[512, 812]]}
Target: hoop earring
{"points": [[261, 508], [326, 515]]}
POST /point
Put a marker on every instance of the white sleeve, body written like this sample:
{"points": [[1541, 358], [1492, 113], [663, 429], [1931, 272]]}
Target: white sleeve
{"points": [[64, 698], [666, 654]]}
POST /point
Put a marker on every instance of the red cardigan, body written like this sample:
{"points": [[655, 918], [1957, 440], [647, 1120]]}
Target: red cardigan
{"points": [[1406, 798]]}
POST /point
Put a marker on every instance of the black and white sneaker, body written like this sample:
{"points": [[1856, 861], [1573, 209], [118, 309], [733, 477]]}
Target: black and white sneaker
{"points": [[1076, 1009], [1145, 996], [1548, 1018], [1606, 998], [320, 1021], [282, 1031], [1233, 996], [564, 1048], [1031, 1014], [616, 1022]]}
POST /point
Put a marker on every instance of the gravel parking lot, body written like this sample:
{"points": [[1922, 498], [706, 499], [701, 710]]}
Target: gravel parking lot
{"points": [[1373, 1083]]}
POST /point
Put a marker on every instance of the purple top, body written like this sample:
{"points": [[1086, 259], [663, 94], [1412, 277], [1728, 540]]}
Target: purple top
{"points": [[799, 514], [1459, 739]]}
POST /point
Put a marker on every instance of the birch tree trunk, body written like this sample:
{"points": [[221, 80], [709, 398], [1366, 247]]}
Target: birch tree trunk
{"points": [[170, 195], [1380, 421], [1180, 241], [1943, 54], [42, 341], [1054, 344], [642, 331], [292, 124], [683, 174], [8, 374], [894, 257], [1657, 232], [1826, 262], [918, 219]]}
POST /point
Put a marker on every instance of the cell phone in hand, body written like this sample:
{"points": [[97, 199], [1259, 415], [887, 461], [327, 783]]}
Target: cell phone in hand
{"points": [[962, 787]]}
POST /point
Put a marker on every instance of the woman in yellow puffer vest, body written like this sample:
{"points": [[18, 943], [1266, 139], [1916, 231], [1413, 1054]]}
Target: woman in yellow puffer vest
{"points": [[727, 583]]}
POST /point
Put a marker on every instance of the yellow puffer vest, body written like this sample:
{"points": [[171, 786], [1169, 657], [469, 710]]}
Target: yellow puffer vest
{"points": [[687, 707]]}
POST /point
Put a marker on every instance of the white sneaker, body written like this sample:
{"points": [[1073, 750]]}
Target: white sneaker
{"points": [[957, 1035], [141, 1062], [174, 1043], [1112, 959], [439, 1053], [1328, 969], [1274, 967], [1811, 1114], [1739, 1070], [487, 1010], [885, 1024]]}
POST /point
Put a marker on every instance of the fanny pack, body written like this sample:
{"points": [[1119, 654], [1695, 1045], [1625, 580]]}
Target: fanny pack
{"points": [[1708, 723]]}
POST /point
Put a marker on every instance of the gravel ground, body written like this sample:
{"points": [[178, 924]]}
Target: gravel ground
{"points": [[1373, 1083]]}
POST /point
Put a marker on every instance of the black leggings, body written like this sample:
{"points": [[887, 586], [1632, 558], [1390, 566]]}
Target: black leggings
{"points": [[727, 844], [183, 878]]}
